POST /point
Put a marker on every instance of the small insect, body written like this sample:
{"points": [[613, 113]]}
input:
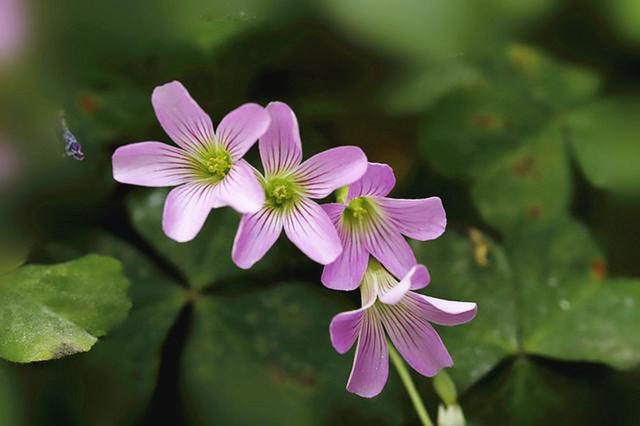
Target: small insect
{"points": [[72, 147]]}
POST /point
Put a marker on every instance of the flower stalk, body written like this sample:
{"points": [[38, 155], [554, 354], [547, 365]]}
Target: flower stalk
{"points": [[401, 368]]}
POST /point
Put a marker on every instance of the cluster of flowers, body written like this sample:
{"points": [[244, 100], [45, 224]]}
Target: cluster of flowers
{"points": [[359, 239]]}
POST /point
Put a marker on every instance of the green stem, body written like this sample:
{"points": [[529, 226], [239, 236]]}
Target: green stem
{"points": [[398, 363]]}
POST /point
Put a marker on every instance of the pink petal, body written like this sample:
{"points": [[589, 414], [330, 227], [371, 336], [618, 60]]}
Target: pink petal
{"points": [[378, 181], [334, 211], [422, 220], [395, 292], [309, 228], [329, 170], [346, 272], [390, 248], [415, 338], [241, 128], [186, 210], [420, 277], [256, 235], [371, 362], [440, 311], [151, 164], [240, 189], [280, 146], [181, 117], [344, 329]]}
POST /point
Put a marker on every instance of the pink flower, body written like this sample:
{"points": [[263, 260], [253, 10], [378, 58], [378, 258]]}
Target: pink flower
{"points": [[371, 224], [290, 186], [389, 305], [207, 168], [12, 29]]}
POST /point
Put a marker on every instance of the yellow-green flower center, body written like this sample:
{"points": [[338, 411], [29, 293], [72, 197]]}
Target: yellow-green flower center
{"points": [[360, 213], [212, 165], [281, 192]]}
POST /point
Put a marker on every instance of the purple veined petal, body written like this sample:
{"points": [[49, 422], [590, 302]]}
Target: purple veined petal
{"points": [[420, 277], [181, 117], [334, 211], [415, 339], [441, 311], [346, 272], [152, 164], [309, 228], [241, 128], [422, 220], [185, 210], [329, 170], [377, 181], [240, 189], [280, 146], [392, 291], [344, 329], [371, 361], [390, 248], [255, 236]]}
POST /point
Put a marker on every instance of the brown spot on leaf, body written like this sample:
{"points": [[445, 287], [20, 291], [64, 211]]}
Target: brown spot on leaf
{"points": [[535, 212], [599, 268], [488, 121], [65, 349], [524, 166], [88, 104]]}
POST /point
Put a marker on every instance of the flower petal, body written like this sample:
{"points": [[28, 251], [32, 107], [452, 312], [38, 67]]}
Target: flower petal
{"points": [[240, 189], [422, 220], [309, 228], [420, 278], [371, 361], [151, 164], [185, 211], [390, 248], [392, 291], [344, 329], [378, 181], [329, 170], [346, 272], [256, 235], [280, 146], [441, 311], [181, 117], [415, 338], [241, 128]]}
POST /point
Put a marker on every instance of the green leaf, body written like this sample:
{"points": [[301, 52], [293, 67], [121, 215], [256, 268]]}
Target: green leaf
{"points": [[533, 183], [123, 365], [530, 393], [265, 358], [54, 311], [458, 274], [604, 137], [568, 309], [206, 260], [546, 295], [521, 92]]}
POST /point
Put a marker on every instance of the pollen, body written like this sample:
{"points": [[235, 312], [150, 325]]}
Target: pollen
{"points": [[213, 165], [281, 192], [361, 212]]}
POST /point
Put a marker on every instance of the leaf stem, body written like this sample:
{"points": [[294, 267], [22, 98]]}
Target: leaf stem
{"points": [[401, 368]]}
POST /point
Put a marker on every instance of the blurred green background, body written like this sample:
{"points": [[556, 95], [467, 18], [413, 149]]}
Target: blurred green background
{"points": [[522, 115]]}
